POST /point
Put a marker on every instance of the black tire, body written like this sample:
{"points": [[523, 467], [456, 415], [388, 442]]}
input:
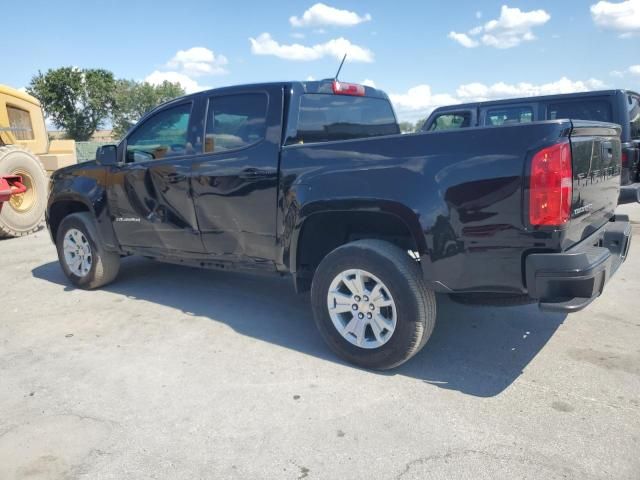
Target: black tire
{"points": [[104, 265], [18, 222], [415, 304]]}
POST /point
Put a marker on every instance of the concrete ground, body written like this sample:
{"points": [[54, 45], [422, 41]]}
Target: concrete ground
{"points": [[179, 373]]}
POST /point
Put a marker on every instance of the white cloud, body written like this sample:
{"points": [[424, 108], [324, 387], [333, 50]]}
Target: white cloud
{"points": [[185, 64], [479, 91], [190, 85], [633, 70], [198, 61], [369, 83], [463, 39], [298, 35], [418, 102], [264, 44], [321, 14], [511, 29], [623, 17]]}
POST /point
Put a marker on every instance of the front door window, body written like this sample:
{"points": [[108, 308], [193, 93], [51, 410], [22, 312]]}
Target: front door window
{"points": [[164, 135]]}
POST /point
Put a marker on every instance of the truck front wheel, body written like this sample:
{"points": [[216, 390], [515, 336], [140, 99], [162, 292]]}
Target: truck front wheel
{"points": [[82, 255], [371, 305]]}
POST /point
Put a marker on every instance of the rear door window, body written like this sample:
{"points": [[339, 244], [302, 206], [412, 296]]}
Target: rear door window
{"points": [[588, 109], [634, 116], [451, 121], [509, 116], [235, 121], [325, 118]]}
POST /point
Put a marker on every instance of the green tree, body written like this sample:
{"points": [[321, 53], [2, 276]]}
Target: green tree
{"points": [[420, 123], [76, 100], [134, 99], [407, 127]]}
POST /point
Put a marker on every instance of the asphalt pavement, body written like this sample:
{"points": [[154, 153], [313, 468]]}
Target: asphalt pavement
{"points": [[178, 373]]}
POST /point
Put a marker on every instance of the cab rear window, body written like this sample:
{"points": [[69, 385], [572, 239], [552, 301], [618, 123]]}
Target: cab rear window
{"points": [[325, 118], [587, 109]]}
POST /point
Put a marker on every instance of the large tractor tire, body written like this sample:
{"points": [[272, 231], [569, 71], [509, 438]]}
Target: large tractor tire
{"points": [[24, 213]]}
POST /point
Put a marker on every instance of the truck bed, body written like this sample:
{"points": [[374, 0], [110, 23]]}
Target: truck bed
{"points": [[463, 192]]}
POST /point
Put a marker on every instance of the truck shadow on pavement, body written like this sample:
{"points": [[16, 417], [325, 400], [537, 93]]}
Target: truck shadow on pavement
{"points": [[478, 351]]}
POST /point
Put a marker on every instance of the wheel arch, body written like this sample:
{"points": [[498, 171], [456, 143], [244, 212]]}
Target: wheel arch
{"points": [[322, 227], [63, 206]]}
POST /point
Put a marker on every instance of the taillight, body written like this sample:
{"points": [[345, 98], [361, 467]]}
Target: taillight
{"points": [[625, 158], [340, 88], [551, 186]]}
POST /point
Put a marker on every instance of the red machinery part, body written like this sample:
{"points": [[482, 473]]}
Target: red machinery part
{"points": [[10, 185]]}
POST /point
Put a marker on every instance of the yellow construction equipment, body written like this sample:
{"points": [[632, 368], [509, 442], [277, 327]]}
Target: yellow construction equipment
{"points": [[26, 151]]}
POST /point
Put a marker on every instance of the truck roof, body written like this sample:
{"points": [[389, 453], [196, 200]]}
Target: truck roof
{"points": [[311, 86], [559, 96], [12, 92]]}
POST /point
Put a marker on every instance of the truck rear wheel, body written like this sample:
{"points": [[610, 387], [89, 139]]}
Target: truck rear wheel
{"points": [[82, 255], [371, 305], [24, 213]]}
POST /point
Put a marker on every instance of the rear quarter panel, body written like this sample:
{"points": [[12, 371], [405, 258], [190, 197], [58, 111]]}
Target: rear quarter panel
{"points": [[462, 190]]}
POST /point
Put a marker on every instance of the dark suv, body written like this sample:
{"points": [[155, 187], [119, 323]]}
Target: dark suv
{"points": [[615, 106]]}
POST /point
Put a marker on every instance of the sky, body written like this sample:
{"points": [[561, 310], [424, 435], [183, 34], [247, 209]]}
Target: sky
{"points": [[423, 53]]}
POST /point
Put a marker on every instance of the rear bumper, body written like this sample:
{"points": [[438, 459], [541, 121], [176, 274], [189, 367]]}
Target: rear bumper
{"points": [[629, 194], [569, 281]]}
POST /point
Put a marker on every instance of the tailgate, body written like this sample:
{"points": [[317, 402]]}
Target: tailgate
{"points": [[596, 156]]}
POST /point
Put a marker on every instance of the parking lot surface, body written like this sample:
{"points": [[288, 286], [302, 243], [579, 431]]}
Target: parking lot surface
{"points": [[178, 373]]}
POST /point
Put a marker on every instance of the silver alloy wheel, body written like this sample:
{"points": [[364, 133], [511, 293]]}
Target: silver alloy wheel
{"points": [[77, 252], [362, 308]]}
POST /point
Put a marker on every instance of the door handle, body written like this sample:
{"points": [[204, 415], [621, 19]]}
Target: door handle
{"points": [[176, 177], [252, 173]]}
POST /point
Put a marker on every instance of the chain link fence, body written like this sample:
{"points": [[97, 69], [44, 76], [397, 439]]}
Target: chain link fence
{"points": [[86, 151]]}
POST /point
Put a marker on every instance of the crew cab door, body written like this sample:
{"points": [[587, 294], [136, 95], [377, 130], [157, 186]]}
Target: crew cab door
{"points": [[235, 180], [149, 193]]}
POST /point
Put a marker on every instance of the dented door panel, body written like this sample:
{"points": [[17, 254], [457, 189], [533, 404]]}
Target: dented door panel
{"points": [[152, 207]]}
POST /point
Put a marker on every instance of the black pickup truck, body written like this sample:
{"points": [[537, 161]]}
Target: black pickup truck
{"points": [[615, 106], [314, 179]]}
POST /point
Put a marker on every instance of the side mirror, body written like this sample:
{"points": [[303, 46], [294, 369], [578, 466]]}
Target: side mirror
{"points": [[107, 155]]}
